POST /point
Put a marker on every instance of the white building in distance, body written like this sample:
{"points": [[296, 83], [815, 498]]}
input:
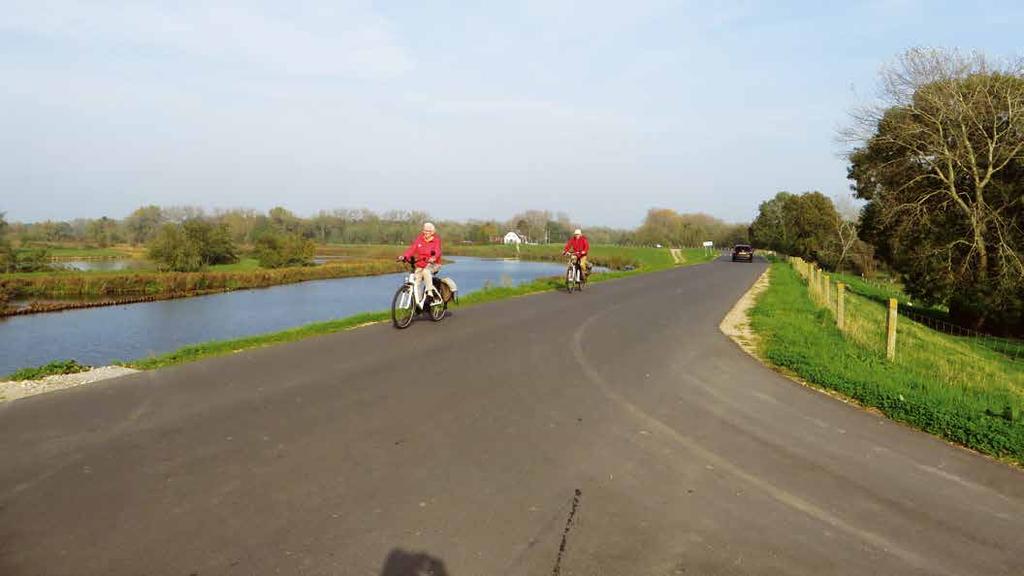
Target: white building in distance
{"points": [[513, 238]]}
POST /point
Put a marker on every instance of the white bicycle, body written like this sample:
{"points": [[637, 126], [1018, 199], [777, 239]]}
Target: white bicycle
{"points": [[412, 297], [575, 275]]}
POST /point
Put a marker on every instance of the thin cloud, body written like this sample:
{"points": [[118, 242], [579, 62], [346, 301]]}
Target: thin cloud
{"points": [[348, 41]]}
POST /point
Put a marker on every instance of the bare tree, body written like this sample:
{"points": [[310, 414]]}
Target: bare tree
{"points": [[961, 122], [846, 218], [935, 153]]}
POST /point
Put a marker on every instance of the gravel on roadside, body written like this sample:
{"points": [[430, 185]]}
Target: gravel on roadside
{"points": [[12, 390]]}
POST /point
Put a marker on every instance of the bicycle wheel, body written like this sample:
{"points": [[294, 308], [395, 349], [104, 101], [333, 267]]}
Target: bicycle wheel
{"points": [[438, 310], [569, 280], [403, 309]]}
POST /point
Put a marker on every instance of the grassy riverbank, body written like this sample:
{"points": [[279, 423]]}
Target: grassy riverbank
{"points": [[648, 259], [119, 286], [952, 387], [70, 290]]}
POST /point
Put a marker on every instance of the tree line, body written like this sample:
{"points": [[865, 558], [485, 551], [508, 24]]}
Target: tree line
{"points": [[939, 164], [246, 227], [810, 225], [184, 238]]}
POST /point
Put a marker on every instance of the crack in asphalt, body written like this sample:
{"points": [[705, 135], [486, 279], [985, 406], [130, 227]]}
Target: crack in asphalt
{"points": [[565, 533]]}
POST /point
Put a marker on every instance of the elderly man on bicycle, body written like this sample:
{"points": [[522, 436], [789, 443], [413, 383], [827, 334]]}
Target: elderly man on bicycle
{"points": [[425, 253], [580, 246]]}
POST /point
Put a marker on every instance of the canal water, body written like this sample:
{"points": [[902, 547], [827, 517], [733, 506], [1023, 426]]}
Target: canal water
{"points": [[99, 336], [108, 265]]}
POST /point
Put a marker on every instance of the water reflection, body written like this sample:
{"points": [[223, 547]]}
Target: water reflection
{"points": [[108, 265]]}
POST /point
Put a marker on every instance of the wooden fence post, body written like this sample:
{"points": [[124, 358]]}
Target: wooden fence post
{"points": [[890, 331], [826, 286], [840, 305]]}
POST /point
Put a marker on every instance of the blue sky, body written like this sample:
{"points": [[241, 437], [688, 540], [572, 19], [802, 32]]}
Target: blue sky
{"points": [[465, 110]]}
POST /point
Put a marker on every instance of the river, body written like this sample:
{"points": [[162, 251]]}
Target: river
{"points": [[99, 336]]}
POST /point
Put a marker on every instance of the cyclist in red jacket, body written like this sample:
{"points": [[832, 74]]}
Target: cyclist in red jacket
{"points": [[425, 253], [578, 245]]}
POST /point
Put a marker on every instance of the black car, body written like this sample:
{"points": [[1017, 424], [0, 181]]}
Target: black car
{"points": [[742, 252]]}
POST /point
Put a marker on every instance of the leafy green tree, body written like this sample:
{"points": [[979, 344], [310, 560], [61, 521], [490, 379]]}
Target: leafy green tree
{"points": [[772, 229], [284, 220], [806, 225], [173, 250], [941, 164], [192, 245], [812, 218], [102, 232], [143, 223], [279, 250]]}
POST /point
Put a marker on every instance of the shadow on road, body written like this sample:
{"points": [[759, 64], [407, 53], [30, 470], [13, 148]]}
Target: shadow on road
{"points": [[402, 563]]}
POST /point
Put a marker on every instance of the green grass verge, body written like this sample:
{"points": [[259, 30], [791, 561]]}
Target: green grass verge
{"points": [[650, 259], [243, 265], [951, 387], [53, 368], [223, 347]]}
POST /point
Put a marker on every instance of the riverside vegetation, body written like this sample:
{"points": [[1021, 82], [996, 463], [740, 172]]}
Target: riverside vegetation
{"points": [[61, 290]]}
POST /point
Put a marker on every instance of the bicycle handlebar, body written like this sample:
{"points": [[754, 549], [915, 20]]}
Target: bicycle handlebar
{"points": [[412, 261]]}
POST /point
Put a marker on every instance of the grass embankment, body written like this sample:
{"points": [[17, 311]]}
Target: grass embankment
{"points": [[648, 260], [881, 292], [948, 386]]}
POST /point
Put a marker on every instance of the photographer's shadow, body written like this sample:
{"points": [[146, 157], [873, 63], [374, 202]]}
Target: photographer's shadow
{"points": [[402, 563]]}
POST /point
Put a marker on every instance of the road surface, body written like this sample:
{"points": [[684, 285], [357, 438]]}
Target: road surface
{"points": [[614, 432]]}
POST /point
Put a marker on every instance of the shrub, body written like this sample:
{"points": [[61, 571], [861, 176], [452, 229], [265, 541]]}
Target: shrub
{"points": [[33, 260], [56, 367], [192, 245], [276, 250]]}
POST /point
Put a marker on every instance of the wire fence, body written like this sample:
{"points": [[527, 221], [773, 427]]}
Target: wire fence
{"points": [[930, 348], [885, 294]]}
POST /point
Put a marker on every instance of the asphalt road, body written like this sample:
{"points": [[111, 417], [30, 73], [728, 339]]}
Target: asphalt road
{"points": [[610, 432]]}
